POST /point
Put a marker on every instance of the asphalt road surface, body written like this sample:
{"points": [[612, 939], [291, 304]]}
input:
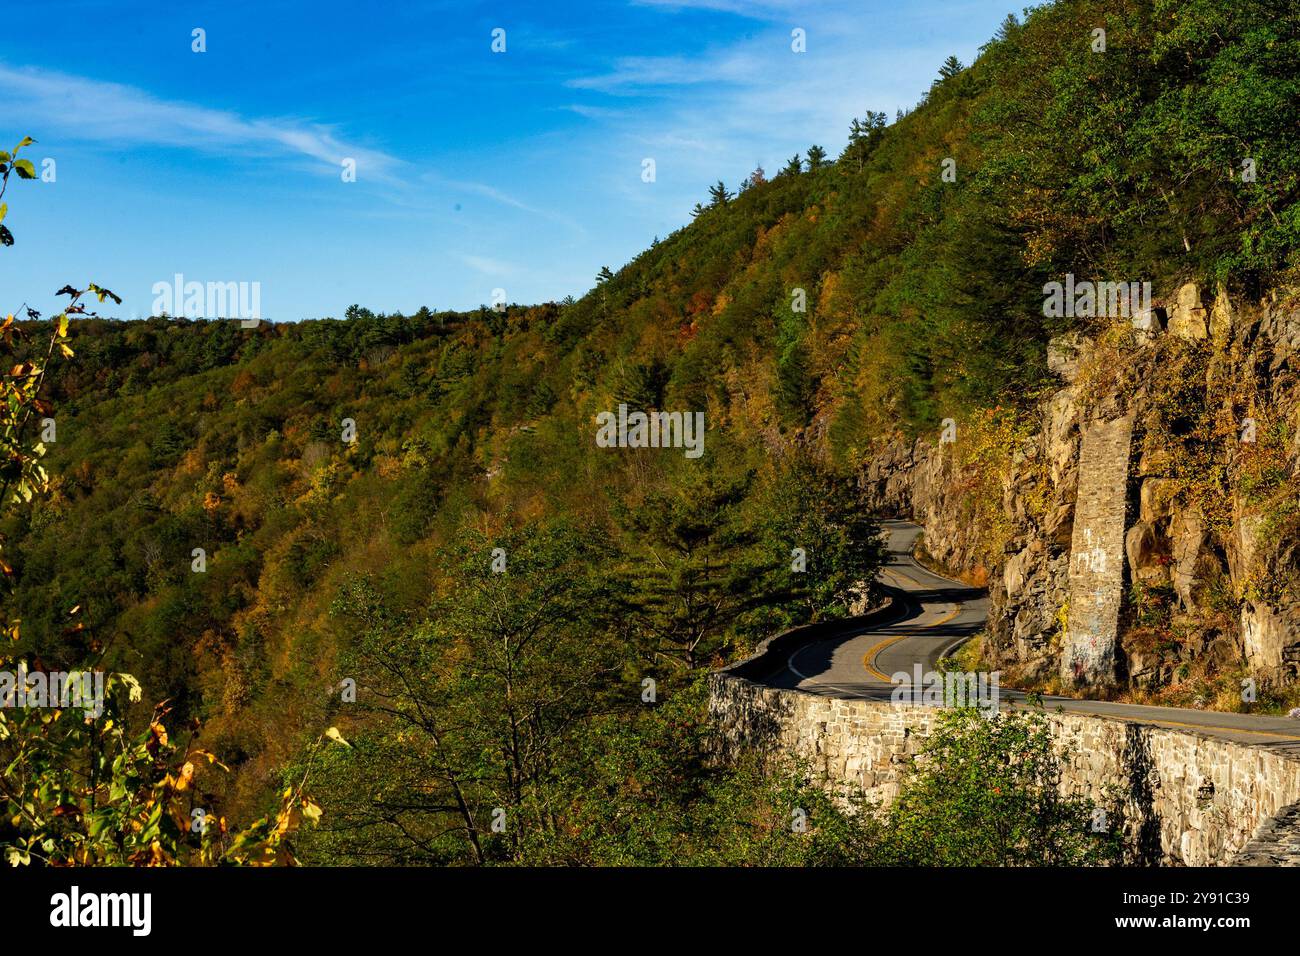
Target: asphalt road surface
{"points": [[931, 616]]}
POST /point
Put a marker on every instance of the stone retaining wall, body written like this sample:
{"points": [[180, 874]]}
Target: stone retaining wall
{"points": [[1186, 799], [1276, 844]]}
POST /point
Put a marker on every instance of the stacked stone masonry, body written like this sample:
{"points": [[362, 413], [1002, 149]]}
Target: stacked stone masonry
{"points": [[1187, 799], [1096, 572]]}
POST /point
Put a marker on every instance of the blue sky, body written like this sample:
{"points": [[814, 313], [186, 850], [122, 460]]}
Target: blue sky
{"points": [[475, 170]]}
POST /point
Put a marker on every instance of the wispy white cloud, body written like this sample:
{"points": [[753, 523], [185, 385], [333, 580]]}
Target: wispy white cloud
{"points": [[124, 116], [488, 192], [489, 266], [496, 195], [757, 9], [733, 101], [719, 111], [592, 112], [101, 111], [634, 74]]}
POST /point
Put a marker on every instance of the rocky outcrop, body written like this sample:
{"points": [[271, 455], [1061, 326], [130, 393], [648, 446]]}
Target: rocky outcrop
{"points": [[1210, 546], [1189, 319], [1028, 582], [916, 481]]}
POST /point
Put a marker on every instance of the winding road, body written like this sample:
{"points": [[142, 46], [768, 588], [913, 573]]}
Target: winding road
{"points": [[930, 617]]}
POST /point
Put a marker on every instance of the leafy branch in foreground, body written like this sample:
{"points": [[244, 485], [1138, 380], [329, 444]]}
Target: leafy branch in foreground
{"points": [[80, 790], [78, 787], [11, 164]]}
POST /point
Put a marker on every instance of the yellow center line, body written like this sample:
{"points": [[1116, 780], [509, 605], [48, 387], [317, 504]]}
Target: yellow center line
{"points": [[944, 620], [869, 658], [868, 662]]}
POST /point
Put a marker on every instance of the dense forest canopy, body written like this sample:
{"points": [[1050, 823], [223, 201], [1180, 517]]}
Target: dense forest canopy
{"points": [[345, 484]]}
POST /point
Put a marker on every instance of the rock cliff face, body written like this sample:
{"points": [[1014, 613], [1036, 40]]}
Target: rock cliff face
{"points": [[1210, 498]]}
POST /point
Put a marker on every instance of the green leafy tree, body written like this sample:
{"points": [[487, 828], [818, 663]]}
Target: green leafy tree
{"points": [[828, 519], [951, 67], [986, 792], [794, 383], [644, 787], [692, 568], [865, 135], [469, 712], [602, 278], [1008, 29], [642, 385]]}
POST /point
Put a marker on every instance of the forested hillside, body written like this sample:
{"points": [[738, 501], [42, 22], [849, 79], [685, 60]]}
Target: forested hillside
{"points": [[351, 481]]}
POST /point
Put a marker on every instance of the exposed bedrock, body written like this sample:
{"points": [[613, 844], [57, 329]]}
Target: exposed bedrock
{"points": [[1168, 540]]}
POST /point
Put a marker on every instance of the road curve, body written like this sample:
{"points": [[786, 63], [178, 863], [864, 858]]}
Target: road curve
{"points": [[929, 617]]}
